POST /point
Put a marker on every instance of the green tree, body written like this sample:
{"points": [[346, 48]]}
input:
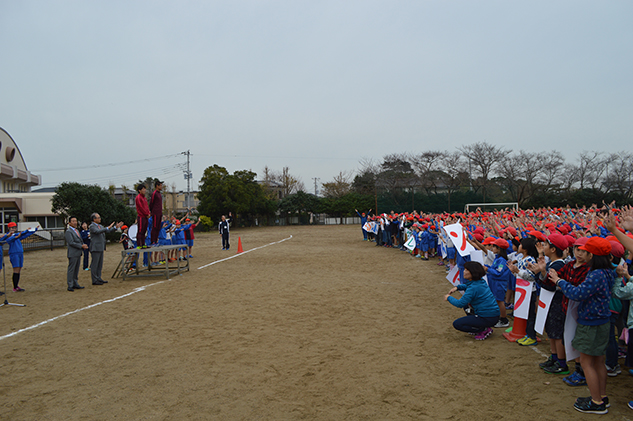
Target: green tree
{"points": [[299, 202], [81, 200], [221, 193]]}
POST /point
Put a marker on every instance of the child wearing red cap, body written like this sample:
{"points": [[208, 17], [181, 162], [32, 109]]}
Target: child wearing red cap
{"points": [[592, 332], [16, 252], [498, 278], [555, 322]]}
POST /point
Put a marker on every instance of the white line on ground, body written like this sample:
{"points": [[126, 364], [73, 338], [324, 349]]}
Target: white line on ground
{"points": [[139, 289], [244, 252], [538, 351]]}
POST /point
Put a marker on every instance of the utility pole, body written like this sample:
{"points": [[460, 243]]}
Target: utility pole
{"points": [[188, 177], [315, 184]]}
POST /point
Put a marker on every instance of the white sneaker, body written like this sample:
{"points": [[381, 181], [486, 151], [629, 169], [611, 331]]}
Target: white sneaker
{"points": [[501, 324]]}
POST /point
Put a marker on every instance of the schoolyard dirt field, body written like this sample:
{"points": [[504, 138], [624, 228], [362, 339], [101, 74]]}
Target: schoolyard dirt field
{"points": [[321, 326]]}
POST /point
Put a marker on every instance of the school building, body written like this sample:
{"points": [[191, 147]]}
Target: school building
{"points": [[17, 203]]}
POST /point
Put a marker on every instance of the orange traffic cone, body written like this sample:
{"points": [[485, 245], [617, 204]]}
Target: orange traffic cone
{"points": [[239, 245], [518, 330]]}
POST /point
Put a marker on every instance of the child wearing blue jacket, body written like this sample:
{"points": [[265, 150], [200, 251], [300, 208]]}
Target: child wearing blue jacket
{"points": [[592, 332], [499, 276], [16, 252], [478, 295]]}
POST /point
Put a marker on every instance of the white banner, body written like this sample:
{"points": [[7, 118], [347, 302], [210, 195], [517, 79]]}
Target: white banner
{"points": [[453, 276], [522, 299], [458, 236], [477, 256], [367, 226], [544, 301], [570, 330], [410, 244]]}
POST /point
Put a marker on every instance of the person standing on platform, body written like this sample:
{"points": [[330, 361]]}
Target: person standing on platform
{"points": [[16, 252], [85, 237], [97, 246], [76, 247], [156, 208], [142, 212], [223, 226]]}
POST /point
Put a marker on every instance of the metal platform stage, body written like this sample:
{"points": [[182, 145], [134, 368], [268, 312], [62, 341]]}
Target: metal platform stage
{"points": [[128, 268]]}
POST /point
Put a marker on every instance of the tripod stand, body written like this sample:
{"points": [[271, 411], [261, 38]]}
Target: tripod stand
{"points": [[6, 302]]}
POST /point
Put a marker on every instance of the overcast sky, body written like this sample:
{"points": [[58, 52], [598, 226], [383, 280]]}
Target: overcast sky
{"points": [[312, 85]]}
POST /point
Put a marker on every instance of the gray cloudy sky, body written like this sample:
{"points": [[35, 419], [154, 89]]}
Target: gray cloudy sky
{"points": [[315, 86]]}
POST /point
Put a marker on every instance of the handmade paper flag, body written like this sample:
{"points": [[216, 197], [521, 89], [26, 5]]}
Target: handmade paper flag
{"points": [[542, 309], [367, 226], [477, 256], [458, 236], [410, 244], [453, 276], [571, 321], [522, 299], [374, 228]]}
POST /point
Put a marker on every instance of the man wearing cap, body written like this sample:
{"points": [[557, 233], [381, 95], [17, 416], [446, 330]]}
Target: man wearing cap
{"points": [[156, 208], [76, 246], [97, 246]]}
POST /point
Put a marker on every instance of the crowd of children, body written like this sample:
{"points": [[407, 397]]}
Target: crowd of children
{"points": [[579, 255]]}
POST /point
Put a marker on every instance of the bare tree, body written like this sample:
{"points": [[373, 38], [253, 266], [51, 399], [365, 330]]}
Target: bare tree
{"points": [[485, 158], [619, 174], [339, 187], [454, 174], [427, 166]]}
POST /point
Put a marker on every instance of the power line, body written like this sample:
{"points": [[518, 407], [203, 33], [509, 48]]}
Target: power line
{"points": [[114, 164]]}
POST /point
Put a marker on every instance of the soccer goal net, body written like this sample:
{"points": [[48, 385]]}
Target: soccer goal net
{"points": [[491, 206]]}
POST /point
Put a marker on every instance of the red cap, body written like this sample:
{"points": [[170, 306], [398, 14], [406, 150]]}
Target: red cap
{"points": [[488, 240], [512, 231], [478, 237], [581, 241], [538, 234], [598, 246], [12, 224], [124, 227], [500, 242], [558, 240], [617, 249]]}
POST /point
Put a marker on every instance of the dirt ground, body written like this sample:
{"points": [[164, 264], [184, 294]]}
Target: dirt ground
{"points": [[320, 326]]}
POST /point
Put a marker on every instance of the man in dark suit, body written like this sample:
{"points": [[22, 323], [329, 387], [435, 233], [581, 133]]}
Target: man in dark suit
{"points": [[76, 247], [97, 246]]}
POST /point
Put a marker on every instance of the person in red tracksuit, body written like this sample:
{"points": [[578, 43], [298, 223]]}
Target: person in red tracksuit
{"points": [[156, 208], [142, 212]]}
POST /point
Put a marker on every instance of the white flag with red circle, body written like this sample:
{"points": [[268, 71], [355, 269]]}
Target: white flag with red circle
{"points": [[458, 236], [522, 299], [542, 308]]}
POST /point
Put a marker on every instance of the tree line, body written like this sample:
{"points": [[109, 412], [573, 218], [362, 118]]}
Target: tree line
{"points": [[429, 181]]}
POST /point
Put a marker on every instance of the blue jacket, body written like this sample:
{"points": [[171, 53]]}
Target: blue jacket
{"points": [[498, 271], [15, 245], [594, 294], [479, 296]]}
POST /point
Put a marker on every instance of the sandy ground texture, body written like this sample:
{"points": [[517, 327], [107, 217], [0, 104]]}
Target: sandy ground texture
{"points": [[320, 326]]}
